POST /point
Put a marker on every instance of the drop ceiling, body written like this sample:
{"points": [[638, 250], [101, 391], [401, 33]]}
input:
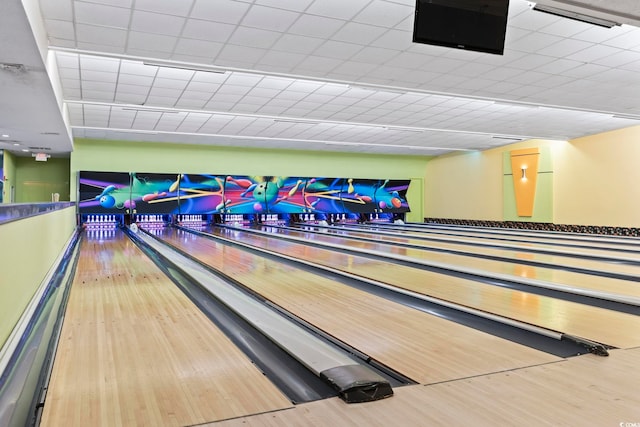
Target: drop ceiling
{"points": [[317, 75]]}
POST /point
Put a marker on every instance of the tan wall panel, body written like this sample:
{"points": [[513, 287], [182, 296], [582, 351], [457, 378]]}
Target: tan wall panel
{"points": [[598, 180]]}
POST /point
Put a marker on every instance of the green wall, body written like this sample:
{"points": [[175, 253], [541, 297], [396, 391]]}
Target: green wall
{"points": [[36, 181], [123, 156], [35, 244]]}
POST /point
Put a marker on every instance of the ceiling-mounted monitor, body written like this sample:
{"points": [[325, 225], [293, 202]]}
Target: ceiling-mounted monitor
{"points": [[478, 25]]}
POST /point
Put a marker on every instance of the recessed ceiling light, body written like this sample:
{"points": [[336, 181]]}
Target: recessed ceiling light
{"points": [[25, 150], [16, 143], [4, 135]]}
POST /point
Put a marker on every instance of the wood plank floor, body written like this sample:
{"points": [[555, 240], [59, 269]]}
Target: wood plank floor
{"points": [[135, 351], [425, 348], [581, 391], [622, 288], [511, 254], [605, 326]]}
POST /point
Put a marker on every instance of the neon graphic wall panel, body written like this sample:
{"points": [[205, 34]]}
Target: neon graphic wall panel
{"points": [[242, 196], [104, 192], [391, 196], [154, 193], [358, 195], [289, 198], [323, 195], [201, 194], [159, 193]]}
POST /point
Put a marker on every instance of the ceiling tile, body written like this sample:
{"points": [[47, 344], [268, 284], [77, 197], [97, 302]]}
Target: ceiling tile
{"points": [[338, 50], [203, 88], [57, 9], [354, 69], [207, 77], [628, 40], [558, 66], [206, 30], [67, 60], [315, 26], [394, 39], [152, 42], [97, 14], [533, 20], [243, 79], [597, 34], [593, 53], [564, 48], [531, 61], [565, 27], [385, 14], [536, 42], [130, 98], [198, 48], [618, 59], [284, 59], [99, 76], [60, 29], [268, 18], [297, 44], [358, 33], [374, 55], [337, 8], [226, 11], [99, 64], [124, 88], [169, 75], [102, 35], [148, 22], [227, 97], [56, 42], [137, 68], [118, 3], [242, 54], [253, 37], [297, 5], [190, 103], [169, 7]]}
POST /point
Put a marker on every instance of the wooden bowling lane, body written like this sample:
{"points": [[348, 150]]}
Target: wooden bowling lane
{"points": [[134, 350], [585, 390], [568, 279], [497, 231], [525, 246], [423, 347], [600, 325], [567, 239]]}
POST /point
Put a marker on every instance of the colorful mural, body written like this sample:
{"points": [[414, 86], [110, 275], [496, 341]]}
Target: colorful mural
{"points": [[157, 193]]}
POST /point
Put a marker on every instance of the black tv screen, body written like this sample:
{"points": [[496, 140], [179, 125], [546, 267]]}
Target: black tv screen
{"points": [[478, 25]]}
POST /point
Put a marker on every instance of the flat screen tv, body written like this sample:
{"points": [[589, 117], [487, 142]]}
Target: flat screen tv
{"points": [[478, 25]]}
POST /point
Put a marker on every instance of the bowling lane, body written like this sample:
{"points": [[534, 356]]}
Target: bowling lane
{"points": [[431, 239], [531, 236], [134, 350], [426, 348], [516, 268], [604, 326]]}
